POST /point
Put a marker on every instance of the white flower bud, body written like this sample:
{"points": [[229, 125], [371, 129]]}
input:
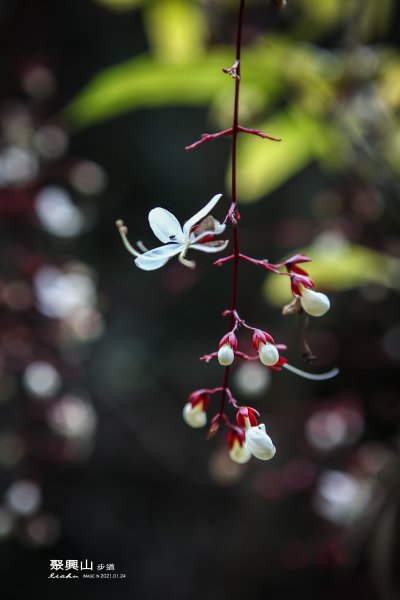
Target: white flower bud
{"points": [[268, 353], [239, 453], [259, 443], [314, 303], [226, 355], [194, 416]]}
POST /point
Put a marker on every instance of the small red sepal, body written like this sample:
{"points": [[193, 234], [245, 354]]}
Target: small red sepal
{"points": [[236, 434], [261, 336], [229, 338], [199, 396], [297, 270], [291, 262], [297, 280], [248, 413], [214, 427], [278, 366]]}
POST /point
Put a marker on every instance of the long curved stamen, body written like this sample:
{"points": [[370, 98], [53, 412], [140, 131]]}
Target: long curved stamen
{"points": [[123, 230], [187, 263], [312, 376], [142, 247]]}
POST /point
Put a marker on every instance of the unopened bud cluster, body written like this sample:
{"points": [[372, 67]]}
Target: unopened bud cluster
{"points": [[247, 437], [263, 343]]}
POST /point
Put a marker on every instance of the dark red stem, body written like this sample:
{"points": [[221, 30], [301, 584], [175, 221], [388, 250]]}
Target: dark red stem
{"points": [[260, 134], [233, 207], [209, 136]]}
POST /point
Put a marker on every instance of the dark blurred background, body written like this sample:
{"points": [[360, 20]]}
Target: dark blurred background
{"points": [[97, 358]]}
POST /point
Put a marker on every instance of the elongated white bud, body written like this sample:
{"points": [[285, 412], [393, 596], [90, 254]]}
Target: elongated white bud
{"points": [[226, 355], [259, 443], [314, 303], [268, 353], [239, 453], [194, 416]]}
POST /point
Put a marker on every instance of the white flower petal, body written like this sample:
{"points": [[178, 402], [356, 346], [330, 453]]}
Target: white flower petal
{"points": [[200, 215], [259, 443], [268, 353], [220, 228], [226, 355], [156, 258], [239, 454], [165, 225], [314, 303], [150, 265], [194, 416], [206, 248]]}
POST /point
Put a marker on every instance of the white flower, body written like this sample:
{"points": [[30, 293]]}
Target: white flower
{"points": [[176, 239], [314, 303], [226, 355], [194, 416], [259, 443], [268, 353], [239, 453]]}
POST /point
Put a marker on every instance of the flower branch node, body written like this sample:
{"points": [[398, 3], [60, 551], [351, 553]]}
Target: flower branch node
{"points": [[205, 137], [233, 70]]}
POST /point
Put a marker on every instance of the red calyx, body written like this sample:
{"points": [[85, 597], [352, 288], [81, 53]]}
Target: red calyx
{"points": [[291, 263], [297, 280], [236, 434], [278, 366], [199, 396], [261, 336], [246, 412], [229, 338], [298, 276]]}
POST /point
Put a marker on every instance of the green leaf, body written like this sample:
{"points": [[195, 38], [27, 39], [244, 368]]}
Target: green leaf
{"points": [[338, 267]]}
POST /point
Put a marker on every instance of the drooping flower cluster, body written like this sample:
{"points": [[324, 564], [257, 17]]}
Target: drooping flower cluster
{"points": [[247, 437]]}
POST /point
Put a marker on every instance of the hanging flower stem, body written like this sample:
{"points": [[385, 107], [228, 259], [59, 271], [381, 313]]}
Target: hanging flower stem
{"points": [[233, 212]]}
